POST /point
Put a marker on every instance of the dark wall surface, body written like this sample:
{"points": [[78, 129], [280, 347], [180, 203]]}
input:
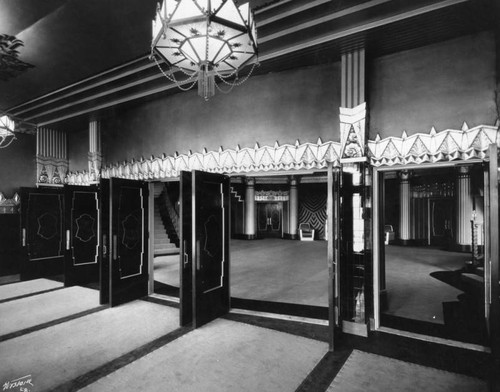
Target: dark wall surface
{"points": [[18, 165], [78, 149], [440, 85], [298, 104]]}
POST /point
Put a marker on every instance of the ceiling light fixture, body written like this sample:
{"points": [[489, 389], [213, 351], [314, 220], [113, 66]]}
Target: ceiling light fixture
{"points": [[204, 39], [7, 135]]}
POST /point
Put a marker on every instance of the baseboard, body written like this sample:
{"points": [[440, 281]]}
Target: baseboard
{"points": [[244, 236], [288, 236], [352, 328]]}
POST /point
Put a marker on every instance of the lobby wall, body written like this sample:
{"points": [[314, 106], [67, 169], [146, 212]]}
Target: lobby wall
{"points": [[440, 85], [78, 149], [296, 104]]}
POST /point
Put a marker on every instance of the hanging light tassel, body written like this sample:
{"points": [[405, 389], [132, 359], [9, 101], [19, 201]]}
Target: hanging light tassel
{"points": [[206, 82]]}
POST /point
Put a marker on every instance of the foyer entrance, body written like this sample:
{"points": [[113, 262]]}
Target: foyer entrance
{"points": [[431, 251], [270, 220]]}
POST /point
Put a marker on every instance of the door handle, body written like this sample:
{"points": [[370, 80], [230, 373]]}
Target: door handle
{"points": [[115, 247], [186, 256], [24, 237], [104, 245], [198, 261], [67, 239]]}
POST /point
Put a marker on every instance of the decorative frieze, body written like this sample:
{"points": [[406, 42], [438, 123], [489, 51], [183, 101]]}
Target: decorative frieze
{"points": [[246, 160], [272, 196], [448, 145]]}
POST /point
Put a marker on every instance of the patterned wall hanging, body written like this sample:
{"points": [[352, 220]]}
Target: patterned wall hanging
{"points": [[312, 208]]}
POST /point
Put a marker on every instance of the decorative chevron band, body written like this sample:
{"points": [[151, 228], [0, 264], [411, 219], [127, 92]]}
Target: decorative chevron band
{"points": [[441, 146], [419, 148]]}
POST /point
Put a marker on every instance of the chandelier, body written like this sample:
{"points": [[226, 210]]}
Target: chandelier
{"points": [[6, 131], [204, 39]]}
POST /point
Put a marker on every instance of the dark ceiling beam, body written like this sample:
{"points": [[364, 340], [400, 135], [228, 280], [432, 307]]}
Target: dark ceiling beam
{"points": [[55, 114], [363, 28], [292, 11], [326, 18]]}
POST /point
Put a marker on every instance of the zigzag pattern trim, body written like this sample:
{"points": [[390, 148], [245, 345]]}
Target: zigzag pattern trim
{"points": [[305, 156], [447, 145]]}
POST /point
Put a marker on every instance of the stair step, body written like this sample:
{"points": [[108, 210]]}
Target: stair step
{"points": [[171, 251]]}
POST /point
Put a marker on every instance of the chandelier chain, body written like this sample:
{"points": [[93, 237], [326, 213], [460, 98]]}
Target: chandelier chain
{"points": [[172, 78]]}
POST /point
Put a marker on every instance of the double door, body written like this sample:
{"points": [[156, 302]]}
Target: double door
{"points": [[101, 234], [60, 234], [270, 220]]}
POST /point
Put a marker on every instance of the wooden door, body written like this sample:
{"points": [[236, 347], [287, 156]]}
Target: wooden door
{"points": [[82, 236], [492, 262], [186, 251], [210, 217], [104, 249], [129, 240], [42, 234], [270, 219]]}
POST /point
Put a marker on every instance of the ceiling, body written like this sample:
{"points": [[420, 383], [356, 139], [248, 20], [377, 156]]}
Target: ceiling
{"points": [[91, 56]]}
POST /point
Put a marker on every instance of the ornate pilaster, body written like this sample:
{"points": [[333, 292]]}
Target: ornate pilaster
{"points": [[353, 106], [250, 208], [293, 208], [51, 157], [404, 206], [94, 156], [464, 208]]}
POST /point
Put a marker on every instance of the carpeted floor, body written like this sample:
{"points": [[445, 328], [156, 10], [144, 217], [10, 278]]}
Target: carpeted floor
{"points": [[63, 352], [221, 356], [268, 270], [18, 289], [30, 311], [365, 372], [411, 289]]}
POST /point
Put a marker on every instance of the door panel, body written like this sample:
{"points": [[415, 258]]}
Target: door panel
{"points": [[492, 272], [129, 239], [82, 235], [186, 265], [205, 214], [104, 250], [42, 219]]}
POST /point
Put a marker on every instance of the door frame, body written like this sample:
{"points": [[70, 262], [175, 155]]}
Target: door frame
{"points": [[376, 235]]}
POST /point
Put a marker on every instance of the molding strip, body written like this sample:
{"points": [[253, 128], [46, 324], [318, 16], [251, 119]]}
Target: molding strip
{"points": [[448, 145], [445, 146]]}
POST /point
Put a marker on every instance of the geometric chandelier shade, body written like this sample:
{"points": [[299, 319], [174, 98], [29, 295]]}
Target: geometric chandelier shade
{"points": [[204, 39], [7, 135]]}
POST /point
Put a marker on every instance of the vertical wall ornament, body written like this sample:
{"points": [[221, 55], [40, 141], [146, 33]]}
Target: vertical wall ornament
{"points": [[353, 134], [51, 157], [94, 156]]}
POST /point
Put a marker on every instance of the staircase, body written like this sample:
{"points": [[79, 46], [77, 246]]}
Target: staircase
{"points": [[163, 244]]}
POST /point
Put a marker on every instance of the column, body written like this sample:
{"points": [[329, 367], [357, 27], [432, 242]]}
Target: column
{"points": [[94, 156], [404, 207], [293, 221], [250, 208], [464, 209]]}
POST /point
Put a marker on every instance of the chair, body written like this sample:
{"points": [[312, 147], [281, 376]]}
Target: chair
{"points": [[389, 234], [305, 232]]}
